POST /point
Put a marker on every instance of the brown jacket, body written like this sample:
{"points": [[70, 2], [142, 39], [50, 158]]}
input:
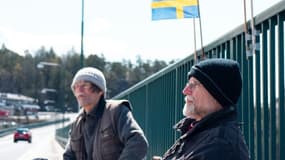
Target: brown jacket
{"points": [[116, 135]]}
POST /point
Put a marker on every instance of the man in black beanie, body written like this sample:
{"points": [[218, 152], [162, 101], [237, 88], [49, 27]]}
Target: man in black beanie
{"points": [[210, 129]]}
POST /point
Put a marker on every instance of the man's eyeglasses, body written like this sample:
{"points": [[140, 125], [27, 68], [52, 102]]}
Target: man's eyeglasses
{"points": [[83, 86], [192, 85]]}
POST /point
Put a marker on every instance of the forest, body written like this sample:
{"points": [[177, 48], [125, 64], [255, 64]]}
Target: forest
{"points": [[21, 74]]}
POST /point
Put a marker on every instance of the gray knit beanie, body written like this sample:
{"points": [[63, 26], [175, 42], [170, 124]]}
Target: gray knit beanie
{"points": [[92, 75], [221, 77]]}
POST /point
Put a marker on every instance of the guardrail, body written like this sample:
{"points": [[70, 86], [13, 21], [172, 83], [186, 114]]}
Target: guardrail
{"points": [[10, 130], [62, 135]]}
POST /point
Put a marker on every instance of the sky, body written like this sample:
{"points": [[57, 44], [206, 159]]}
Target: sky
{"points": [[117, 29]]}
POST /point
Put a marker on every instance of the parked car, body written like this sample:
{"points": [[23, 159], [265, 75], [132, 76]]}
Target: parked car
{"points": [[23, 134]]}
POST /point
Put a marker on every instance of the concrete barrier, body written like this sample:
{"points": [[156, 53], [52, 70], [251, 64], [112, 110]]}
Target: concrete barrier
{"points": [[4, 132]]}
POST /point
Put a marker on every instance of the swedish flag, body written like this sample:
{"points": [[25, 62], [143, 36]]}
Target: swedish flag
{"points": [[174, 9]]}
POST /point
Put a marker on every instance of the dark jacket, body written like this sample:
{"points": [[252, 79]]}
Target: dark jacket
{"points": [[116, 135], [215, 137]]}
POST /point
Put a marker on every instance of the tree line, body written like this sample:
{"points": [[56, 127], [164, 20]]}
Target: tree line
{"points": [[20, 74]]}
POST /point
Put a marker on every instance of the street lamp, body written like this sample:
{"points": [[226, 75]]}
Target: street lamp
{"points": [[49, 103], [45, 90], [41, 65]]}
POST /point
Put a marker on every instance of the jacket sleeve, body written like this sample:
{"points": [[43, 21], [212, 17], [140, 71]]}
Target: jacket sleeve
{"points": [[130, 134]]}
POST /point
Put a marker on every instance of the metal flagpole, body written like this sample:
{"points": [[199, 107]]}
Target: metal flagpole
{"points": [[195, 51], [202, 46], [253, 31], [244, 15], [248, 37], [82, 34]]}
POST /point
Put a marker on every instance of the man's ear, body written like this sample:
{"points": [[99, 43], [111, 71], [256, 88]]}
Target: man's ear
{"points": [[101, 93]]}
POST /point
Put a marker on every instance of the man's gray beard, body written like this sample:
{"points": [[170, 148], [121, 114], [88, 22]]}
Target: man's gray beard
{"points": [[188, 110]]}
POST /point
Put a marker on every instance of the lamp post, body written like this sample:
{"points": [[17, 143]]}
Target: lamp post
{"points": [[41, 65], [50, 101], [60, 95]]}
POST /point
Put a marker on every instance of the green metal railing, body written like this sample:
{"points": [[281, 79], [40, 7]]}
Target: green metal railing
{"points": [[158, 101]]}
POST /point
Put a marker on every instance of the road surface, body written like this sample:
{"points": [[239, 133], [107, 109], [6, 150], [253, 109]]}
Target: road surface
{"points": [[43, 145]]}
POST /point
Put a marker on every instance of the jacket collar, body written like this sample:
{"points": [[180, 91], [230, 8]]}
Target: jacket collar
{"points": [[226, 114]]}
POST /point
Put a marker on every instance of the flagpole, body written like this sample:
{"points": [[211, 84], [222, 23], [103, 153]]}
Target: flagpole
{"points": [[246, 33], [244, 15], [82, 34], [253, 32], [201, 35], [195, 50]]}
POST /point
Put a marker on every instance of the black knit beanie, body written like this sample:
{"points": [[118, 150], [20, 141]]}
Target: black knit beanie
{"points": [[221, 78]]}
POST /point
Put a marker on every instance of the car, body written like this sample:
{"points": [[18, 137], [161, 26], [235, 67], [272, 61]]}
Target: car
{"points": [[23, 134]]}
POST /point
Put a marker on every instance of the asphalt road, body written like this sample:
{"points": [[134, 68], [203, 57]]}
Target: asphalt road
{"points": [[43, 145]]}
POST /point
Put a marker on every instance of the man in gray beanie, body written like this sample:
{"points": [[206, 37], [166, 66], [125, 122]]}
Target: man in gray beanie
{"points": [[210, 129], [104, 129]]}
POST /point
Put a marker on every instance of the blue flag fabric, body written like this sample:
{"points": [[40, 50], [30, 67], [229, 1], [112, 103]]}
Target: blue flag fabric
{"points": [[174, 9]]}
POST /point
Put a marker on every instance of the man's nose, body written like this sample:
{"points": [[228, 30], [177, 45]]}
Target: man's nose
{"points": [[186, 90]]}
